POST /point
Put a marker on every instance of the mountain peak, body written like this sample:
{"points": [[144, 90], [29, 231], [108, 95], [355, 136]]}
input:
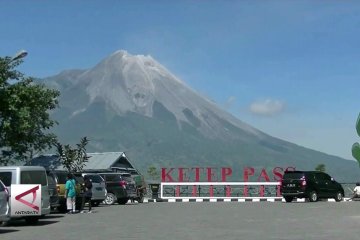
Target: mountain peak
{"points": [[139, 84], [120, 52], [125, 55], [133, 102]]}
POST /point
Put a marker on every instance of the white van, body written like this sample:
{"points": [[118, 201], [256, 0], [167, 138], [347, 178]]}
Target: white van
{"points": [[28, 175]]}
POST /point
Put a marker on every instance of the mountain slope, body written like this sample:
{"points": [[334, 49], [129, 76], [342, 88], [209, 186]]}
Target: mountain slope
{"points": [[134, 104]]}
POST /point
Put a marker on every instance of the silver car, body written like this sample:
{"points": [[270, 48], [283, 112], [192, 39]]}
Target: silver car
{"points": [[98, 188], [4, 203]]}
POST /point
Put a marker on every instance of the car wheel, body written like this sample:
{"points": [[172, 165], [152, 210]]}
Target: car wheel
{"points": [[313, 197], [61, 208], [339, 196], [288, 199], [123, 201], [110, 199]]}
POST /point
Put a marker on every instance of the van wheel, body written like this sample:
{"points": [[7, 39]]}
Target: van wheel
{"points": [[110, 199], [32, 220], [339, 197], [313, 197], [5, 224], [289, 199]]}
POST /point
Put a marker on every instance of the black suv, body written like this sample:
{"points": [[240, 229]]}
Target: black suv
{"points": [[310, 184], [120, 187]]}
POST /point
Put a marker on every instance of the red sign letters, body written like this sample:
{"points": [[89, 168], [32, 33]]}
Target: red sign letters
{"points": [[213, 174]]}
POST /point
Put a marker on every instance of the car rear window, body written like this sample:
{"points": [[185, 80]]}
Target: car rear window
{"points": [[95, 178], [127, 177], [61, 177], [293, 175], [113, 177], [5, 177], [33, 177]]}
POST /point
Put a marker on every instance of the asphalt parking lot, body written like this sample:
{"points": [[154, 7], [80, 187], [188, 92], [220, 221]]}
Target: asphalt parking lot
{"points": [[221, 220]]}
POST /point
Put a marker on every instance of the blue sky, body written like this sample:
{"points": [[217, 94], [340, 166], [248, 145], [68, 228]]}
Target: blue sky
{"points": [[288, 68]]}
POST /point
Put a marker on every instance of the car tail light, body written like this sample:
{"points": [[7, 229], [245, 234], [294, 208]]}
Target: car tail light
{"points": [[123, 183], [303, 182]]}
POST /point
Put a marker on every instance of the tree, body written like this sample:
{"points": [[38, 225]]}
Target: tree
{"points": [[24, 114], [73, 159], [153, 173], [356, 146], [320, 167]]}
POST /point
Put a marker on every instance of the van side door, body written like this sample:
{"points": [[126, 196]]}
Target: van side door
{"points": [[322, 184], [327, 186], [38, 177], [331, 185]]}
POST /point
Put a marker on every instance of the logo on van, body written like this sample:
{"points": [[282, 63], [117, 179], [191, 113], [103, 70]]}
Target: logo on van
{"points": [[25, 199]]}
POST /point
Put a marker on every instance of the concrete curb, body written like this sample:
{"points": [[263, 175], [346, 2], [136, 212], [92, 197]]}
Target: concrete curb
{"points": [[197, 200]]}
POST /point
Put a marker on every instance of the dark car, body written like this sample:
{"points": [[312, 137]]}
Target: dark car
{"points": [[139, 181], [118, 189], [131, 189], [310, 184]]}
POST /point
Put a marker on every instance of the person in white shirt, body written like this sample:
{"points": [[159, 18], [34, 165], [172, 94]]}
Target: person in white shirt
{"points": [[356, 191]]}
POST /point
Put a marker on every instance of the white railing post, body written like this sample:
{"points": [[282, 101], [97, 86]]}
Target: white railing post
{"points": [[227, 189]]}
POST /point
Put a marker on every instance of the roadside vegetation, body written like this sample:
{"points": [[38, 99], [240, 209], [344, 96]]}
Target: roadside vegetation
{"points": [[25, 122]]}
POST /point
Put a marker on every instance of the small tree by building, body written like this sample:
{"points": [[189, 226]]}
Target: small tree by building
{"points": [[153, 173], [73, 159], [321, 167]]}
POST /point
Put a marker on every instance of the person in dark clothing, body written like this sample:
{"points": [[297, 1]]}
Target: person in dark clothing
{"points": [[87, 194]]}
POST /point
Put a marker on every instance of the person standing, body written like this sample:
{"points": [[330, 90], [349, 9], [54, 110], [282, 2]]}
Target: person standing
{"points": [[87, 194], [356, 192], [70, 193]]}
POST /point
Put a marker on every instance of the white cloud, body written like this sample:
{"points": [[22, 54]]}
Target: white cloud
{"points": [[267, 107]]}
